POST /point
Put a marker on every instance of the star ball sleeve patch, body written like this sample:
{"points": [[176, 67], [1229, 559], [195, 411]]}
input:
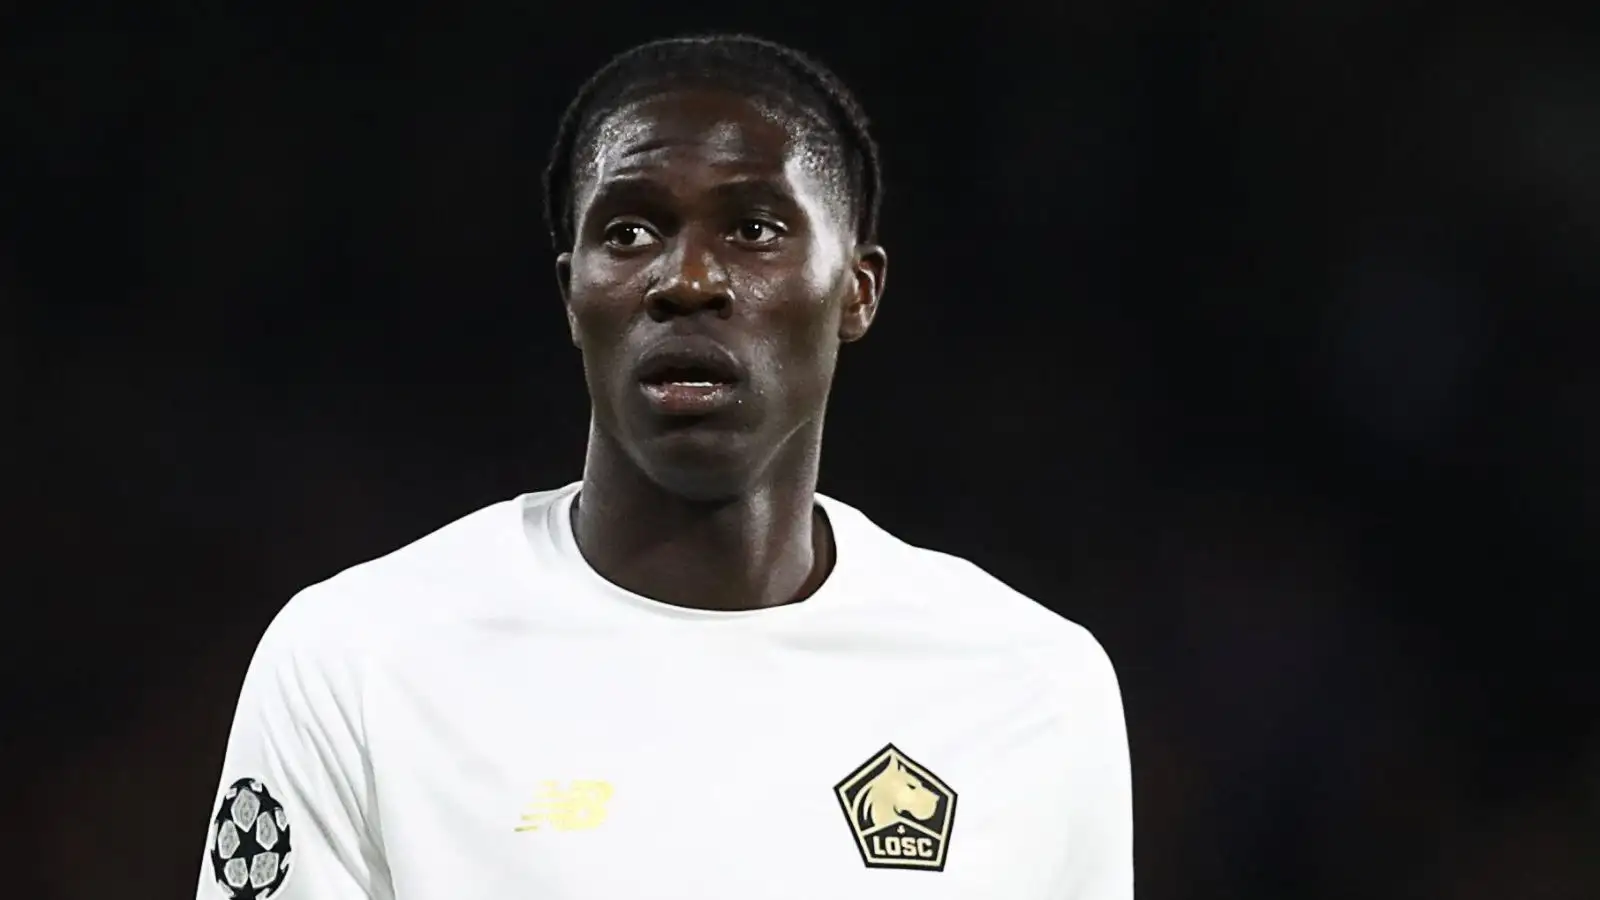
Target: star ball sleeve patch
{"points": [[250, 849]]}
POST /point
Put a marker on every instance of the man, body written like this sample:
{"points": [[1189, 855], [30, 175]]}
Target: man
{"points": [[688, 675]]}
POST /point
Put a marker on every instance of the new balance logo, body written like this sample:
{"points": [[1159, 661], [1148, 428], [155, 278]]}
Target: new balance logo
{"points": [[574, 806]]}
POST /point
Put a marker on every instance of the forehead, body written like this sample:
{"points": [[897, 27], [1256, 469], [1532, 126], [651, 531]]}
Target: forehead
{"points": [[688, 132]]}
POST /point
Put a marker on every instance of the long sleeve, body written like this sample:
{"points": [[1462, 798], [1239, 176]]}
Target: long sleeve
{"points": [[1106, 864], [1098, 846]]}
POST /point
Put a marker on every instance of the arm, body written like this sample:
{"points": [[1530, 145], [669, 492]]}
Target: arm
{"points": [[1101, 867], [289, 819]]}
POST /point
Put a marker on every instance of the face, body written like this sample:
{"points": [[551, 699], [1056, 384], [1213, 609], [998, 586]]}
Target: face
{"points": [[713, 276]]}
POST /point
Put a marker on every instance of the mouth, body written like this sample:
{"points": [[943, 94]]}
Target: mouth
{"points": [[689, 378]]}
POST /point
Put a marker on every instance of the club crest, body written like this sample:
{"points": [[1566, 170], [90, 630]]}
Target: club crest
{"points": [[900, 813]]}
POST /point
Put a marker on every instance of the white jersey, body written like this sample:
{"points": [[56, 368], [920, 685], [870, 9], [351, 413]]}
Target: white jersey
{"points": [[481, 716]]}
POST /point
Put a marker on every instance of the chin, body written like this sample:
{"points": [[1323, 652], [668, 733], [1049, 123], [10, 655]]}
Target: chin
{"points": [[703, 467]]}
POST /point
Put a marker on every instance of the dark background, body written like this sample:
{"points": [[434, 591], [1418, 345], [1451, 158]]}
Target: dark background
{"points": [[1255, 338]]}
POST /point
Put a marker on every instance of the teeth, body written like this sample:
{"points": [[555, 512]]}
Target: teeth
{"points": [[696, 384]]}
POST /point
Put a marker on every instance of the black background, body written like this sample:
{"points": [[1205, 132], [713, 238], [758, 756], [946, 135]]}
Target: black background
{"points": [[1254, 337]]}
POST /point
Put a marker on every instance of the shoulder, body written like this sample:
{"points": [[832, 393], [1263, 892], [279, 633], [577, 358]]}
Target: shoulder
{"points": [[1045, 637], [960, 597], [378, 603]]}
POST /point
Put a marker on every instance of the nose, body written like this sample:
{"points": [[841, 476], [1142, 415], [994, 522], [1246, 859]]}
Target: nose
{"points": [[691, 280]]}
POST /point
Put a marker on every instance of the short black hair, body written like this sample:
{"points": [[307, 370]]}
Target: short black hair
{"points": [[740, 62]]}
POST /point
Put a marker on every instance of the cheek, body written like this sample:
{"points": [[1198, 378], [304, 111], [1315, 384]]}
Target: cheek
{"points": [[813, 284], [803, 331], [598, 290], [594, 318], [824, 264]]}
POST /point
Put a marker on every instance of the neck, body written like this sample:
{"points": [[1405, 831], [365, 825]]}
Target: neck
{"points": [[765, 547]]}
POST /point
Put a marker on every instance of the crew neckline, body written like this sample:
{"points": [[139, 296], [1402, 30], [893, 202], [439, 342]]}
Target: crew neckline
{"points": [[557, 534]]}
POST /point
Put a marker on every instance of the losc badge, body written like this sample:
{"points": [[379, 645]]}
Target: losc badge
{"points": [[900, 813]]}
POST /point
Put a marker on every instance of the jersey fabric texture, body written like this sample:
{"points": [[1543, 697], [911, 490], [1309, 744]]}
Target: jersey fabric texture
{"points": [[481, 715]]}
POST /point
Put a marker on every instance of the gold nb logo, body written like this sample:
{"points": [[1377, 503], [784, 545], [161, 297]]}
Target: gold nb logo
{"points": [[899, 812], [575, 806]]}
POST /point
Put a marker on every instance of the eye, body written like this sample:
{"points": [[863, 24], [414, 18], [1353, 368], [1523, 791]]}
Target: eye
{"points": [[757, 232], [629, 236]]}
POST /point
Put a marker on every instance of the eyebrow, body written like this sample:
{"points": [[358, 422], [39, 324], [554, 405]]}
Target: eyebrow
{"points": [[757, 189], [645, 189], [629, 189]]}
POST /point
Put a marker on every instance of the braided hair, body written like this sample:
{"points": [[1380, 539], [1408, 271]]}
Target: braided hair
{"points": [[749, 65]]}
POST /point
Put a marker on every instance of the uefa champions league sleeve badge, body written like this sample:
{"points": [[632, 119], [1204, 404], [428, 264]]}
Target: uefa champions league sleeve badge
{"points": [[250, 848]]}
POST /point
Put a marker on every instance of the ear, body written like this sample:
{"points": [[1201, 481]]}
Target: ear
{"points": [[564, 285], [870, 267]]}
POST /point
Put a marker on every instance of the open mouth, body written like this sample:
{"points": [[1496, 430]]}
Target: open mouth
{"points": [[688, 375], [689, 378]]}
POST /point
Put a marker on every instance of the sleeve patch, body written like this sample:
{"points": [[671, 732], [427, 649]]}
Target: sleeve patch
{"points": [[251, 853]]}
